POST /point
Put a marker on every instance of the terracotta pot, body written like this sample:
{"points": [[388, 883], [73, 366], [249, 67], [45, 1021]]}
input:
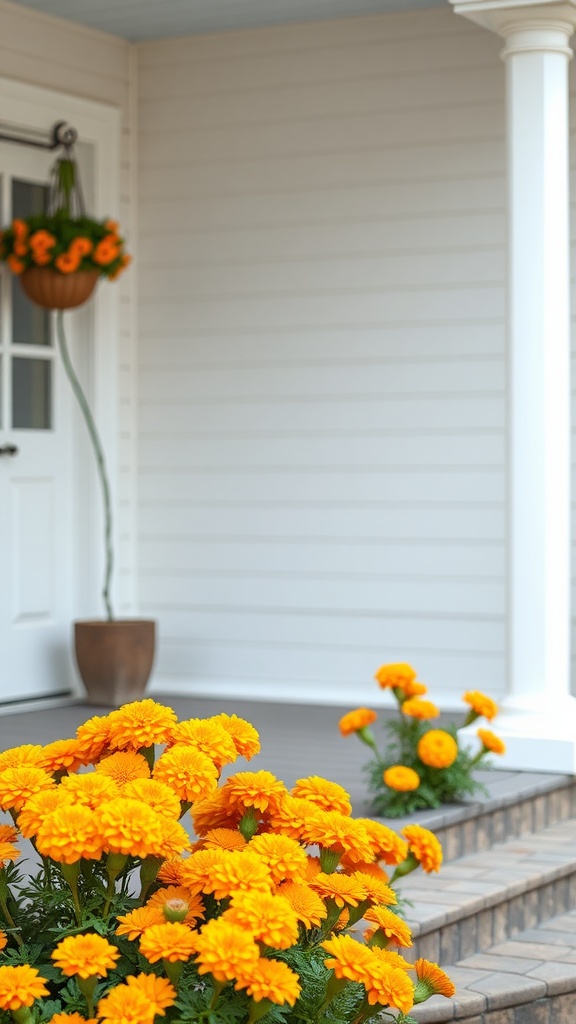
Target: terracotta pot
{"points": [[52, 290], [114, 659]]}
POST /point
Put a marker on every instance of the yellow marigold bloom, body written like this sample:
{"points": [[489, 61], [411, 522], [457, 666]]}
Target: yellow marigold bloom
{"points": [[483, 706], [71, 1018], [224, 949], [271, 980], [431, 981], [28, 753], [389, 924], [377, 892], [170, 941], [401, 778], [313, 867], [124, 766], [260, 790], [156, 794], [283, 856], [20, 986], [8, 852], [18, 784], [414, 689], [128, 826], [244, 735], [425, 846], [491, 742], [174, 838], [92, 738], [8, 834], [292, 816], [343, 889], [390, 986], [60, 755], [337, 832], [37, 809], [212, 811], [329, 796], [85, 956], [387, 845], [268, 918], [396, 676], [125, 1005], [349, 959], [159, 992], [390, 957], [306, 904], [195, 906], [170, 872], [415, 707], [208, 736], [3, 940], [238, 872], [137, 921], [437, 749], [196, 872], [224, 839], [190, 773], [68, 834], [140, 724], [372, 869], [91, 789], [355, 720]]}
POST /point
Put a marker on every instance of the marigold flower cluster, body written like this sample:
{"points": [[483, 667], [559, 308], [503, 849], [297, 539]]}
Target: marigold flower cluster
{"points": [[64, 244], [422, 766], [142, 917]]}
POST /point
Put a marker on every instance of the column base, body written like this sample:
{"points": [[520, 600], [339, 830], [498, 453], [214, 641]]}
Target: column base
{"points": [[537, 739]]}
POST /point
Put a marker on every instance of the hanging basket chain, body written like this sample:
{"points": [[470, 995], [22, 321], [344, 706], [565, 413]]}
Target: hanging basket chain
{"points": [[100, 460]]}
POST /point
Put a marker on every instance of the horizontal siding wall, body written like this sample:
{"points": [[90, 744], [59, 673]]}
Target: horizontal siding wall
{"points": [[57, 54], [322, 376]]}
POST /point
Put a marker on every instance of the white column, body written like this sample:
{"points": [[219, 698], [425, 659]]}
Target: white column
{"points": [[539, 719]]}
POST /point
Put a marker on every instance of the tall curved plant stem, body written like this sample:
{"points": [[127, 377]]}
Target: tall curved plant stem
{"points": [[100, 461]]}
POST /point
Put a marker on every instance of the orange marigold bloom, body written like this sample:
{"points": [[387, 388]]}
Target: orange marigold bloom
{"points": [[223, 839], [26, 754], [37, 809], [18, 784], [482, 706], [329, 796], [128, 826], [268, 917], [124, 766], [389, 924], [244, 735], [355, 720], [414, 689], [67, 262], [491, 742], [377, 892], [212, 811], [70, 833], [271, 980], [431, 981], [415, 707], [16, 265], [8, 852], [237, 872], [126, 1004], [170, 872], [390, 957], [3, 940], [306, 904], [20, 986], [62, 754], [425, 846], [401, 778], [90, 789], [224, 949], [260, 790], [190, 773], [395, 676], [437, 749], [345, 890], [196, 872], [156, 794], [195, 907], [92, 738], [170, 941], [8, 834], [42, 257], [106, 251], [390, 986], [81, 245], [208, 736], [71, 1018], [159, 992], [19, 227], [337, 832], [140, 724], [283, 856], [387, 845], [349, 959], [85, 956], [292, 816], [138, 921]]}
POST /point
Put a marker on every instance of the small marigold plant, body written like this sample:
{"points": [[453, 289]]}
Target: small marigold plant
{"points": [[422, 766], [274, 904]]}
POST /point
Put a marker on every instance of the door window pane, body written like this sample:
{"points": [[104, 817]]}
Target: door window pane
{"points": [[31, 394], [31, 325]]}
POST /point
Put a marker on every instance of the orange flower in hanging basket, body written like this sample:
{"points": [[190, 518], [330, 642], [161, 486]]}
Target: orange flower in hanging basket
{"points": [[52, 290]]}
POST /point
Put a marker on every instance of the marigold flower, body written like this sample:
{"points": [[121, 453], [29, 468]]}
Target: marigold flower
{"points": [[414, 689], [349, 959], [284, 857], [244, 735], [208, 736], [26, 754], [159, 992], [70, 833], [224, 949], [376, 890], [106, 251], [137, 921], [90, 789], [260, 790], [42, 240], [425, 846], [194, 904], [170, 941], [81, 245], [92, 738], [18, 784], [238, 872], [415, 707], [401, 778], [306, 904], [170, 872], [8, 834], [212, 811], [124, 766], [389, 924], [269, 918], [344, 890], [387, 845], [42, 257], [390, 957], [223, 839], [129, 826], [3, 940], [491, 742], [353, 721], [437, 749], [37, 808], [140, 724], [195, 873], [390, 986], [71, 1018], [19, 227], [395, 676], [126, 1004], [85, 956], [337, 832], [16, 265], [431, 981], [329, 796], [8, 852], [271, 980], [156, 795], [190, 773], [481, 705], [60, 755], [20, 986], [292, 816], [67, 262]]}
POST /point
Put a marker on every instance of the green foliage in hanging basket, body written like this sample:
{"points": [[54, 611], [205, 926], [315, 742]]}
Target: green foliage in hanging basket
{"points": [[65, 244]]}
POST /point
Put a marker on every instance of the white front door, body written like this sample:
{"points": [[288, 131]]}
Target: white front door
{"points": [[36, 468]]}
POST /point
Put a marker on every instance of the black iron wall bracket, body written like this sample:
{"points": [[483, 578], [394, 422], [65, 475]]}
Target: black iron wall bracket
{"points": [[61, 134]]}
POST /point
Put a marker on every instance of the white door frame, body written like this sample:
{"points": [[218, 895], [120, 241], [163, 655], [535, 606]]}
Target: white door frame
{"points": [[98, 125]]}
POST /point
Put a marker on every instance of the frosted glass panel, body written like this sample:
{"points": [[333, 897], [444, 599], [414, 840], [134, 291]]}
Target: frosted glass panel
{"points": [[31, 325], [31, 394]]}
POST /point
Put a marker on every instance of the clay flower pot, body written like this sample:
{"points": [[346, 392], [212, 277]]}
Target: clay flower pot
{"points": [[52, 290], [114, 658]]}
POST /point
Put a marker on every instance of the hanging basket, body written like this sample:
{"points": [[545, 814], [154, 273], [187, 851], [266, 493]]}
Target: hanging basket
{"points": [[52, 290]]}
